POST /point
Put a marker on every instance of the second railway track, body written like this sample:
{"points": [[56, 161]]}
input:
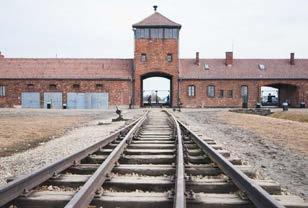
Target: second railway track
{"points": [[156, 161]]}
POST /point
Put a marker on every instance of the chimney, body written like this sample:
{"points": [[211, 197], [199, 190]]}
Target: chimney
{"points": [[197, 61], [292, 59], [1, 56], [229, 58]]}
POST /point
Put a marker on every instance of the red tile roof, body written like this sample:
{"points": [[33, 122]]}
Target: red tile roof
{"points": [[244, 69], [20, 68], [156, 20]]}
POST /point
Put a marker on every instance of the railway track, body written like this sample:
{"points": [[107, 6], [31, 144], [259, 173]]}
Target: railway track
{"points": [[156, 161]]}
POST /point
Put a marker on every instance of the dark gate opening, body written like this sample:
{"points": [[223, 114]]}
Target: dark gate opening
{"points": [[156, 90], [278, 93]]}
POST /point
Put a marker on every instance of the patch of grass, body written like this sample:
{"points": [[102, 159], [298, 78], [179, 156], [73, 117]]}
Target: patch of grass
{"points": [[292, 115]]}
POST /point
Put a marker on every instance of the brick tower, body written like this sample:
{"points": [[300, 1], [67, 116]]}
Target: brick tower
{"points": [[156, 54]]}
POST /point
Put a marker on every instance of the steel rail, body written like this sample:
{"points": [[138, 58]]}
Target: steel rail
{"points": [[179, 199], [85, 195], [25, 183], [259, 197]]}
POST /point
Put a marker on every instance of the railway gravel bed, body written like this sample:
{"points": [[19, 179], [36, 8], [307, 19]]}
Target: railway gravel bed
{"points": [[154, 161], [286, 166], [73, 141]]}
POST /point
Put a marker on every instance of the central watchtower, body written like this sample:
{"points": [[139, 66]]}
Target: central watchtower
{"points": [[156, 53]]}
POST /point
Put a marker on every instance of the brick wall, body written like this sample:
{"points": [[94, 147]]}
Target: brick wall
{"points": [[119, 91], [156, 51], [294, 94]]}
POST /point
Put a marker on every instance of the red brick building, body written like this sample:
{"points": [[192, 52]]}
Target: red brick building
{"points": [[88, 83]]}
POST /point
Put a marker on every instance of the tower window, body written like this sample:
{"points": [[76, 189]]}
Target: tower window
{"points": [[211, 91], [143, 57], [191, 90], [169, 57], [2, 90]]}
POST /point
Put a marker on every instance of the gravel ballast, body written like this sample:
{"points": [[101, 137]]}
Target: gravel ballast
{"points": [[282, 164]]}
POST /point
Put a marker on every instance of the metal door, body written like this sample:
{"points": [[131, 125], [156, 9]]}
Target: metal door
{"points": [[55, 98], [76, 100], [87, 100], [30, 100], [99, 100]]}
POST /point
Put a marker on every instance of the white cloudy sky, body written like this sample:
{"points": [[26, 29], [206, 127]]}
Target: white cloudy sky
{"points": [[102, 28]]}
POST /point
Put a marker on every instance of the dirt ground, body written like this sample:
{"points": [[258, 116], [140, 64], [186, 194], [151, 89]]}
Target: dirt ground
{"points": [[21, 129], [291, 134], [300, 115], [277, 148], [73, 140]]}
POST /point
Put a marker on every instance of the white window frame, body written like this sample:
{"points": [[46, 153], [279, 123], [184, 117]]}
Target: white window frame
{"points": [[2, 90], [211, 91], [191, 90]]}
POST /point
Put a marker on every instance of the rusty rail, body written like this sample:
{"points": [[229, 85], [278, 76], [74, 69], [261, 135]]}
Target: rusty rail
{"points": [[179, 199], [27, 182], [257, 195], [85, 195]]}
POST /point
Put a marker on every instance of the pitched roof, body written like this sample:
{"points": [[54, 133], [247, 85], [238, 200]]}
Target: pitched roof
{"points": [[20, 68], [244, 69], [156, 20]]}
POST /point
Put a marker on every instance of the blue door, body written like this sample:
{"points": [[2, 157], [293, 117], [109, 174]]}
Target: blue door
{"points": [[55, 98], [87, 100], [30, 100]]}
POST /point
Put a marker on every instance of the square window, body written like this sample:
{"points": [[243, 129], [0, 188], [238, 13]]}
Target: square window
{"points": [[76, 86], [230, 93], [52, 87]]}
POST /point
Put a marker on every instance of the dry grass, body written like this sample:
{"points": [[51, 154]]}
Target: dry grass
{"points": [[288, 133], [301, 116], [22, 132]]}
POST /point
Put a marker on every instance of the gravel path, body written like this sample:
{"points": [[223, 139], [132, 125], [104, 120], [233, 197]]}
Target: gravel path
{"points": [[274, 161], [71, 142]]}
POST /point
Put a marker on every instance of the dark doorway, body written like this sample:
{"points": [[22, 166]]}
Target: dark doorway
{"points": [[276, 94], [156, 90]]}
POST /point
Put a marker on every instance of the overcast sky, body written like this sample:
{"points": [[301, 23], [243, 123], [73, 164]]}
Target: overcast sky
{"points": [[102, 28]]}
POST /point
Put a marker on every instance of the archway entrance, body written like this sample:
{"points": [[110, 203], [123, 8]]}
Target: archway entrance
{"points": [[277, 93], [156, 90]]}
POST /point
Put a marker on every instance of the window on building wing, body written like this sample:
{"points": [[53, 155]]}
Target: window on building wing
{"points": [[244, 90], [221, 93], [211, 91], [76, 86], [169, 57], [191, 90], [2, 90], [52, 87], [230, 93], [99, 86], [143, 57]]}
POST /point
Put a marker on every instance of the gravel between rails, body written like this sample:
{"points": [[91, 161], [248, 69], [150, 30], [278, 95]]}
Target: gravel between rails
{"points": [[53, 150], [271, 160]]}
